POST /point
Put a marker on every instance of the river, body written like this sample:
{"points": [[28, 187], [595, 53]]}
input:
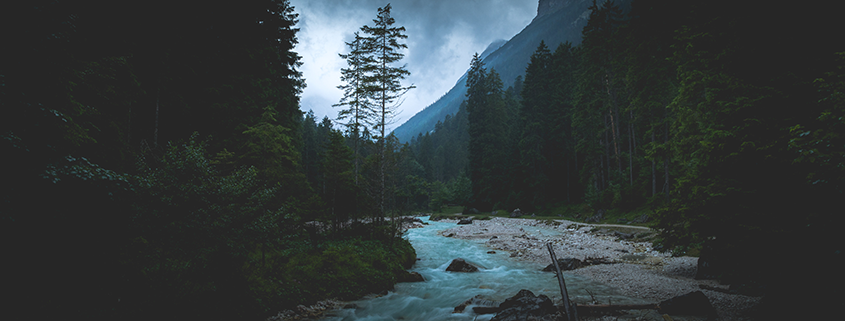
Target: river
{"points": [[500, 277]]}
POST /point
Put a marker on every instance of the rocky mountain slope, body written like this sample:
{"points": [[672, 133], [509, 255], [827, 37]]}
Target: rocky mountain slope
{"points": [[557, 21]]}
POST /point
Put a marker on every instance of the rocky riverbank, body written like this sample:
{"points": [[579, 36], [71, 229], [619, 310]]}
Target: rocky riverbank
{"points": [[638, 270]]}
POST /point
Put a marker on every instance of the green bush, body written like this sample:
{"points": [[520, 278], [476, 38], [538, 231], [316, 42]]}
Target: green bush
{"points": [[345, 269]]}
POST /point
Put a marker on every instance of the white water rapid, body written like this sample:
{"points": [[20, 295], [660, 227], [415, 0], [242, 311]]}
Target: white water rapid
{"points": [[499, 277]]}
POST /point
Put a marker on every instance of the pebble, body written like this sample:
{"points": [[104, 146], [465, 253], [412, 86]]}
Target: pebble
{"points": [[657, 276]]}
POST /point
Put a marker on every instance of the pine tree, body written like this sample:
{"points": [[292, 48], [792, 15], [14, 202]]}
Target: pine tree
{"points": [[384, 81], [534, 115], [486, 116], [339, 192], [356, 94]]}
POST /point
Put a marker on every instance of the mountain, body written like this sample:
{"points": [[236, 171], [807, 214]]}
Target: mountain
{"points": [[557, 21]]}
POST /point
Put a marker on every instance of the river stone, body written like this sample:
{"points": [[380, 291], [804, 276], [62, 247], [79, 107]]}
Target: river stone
{"points": [[524, 305], [477, 300], [565, 264], [693, 303], [412, 277], [465, 221], [460, 265], [624, 236]]}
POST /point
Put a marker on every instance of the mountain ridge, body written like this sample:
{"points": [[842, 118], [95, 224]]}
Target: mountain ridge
{"points": [[557, 21]]}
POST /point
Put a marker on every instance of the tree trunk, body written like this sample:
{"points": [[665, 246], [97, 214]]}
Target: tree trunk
{"points": [[653, 170], [666, 157], [155, 128]]}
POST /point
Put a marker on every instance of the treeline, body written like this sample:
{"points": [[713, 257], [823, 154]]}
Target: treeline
{"points": [[725, 121], [157, 166]]}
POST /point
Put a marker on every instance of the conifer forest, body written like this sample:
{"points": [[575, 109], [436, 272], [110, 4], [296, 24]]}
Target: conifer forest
{"points": [[159, 164]]}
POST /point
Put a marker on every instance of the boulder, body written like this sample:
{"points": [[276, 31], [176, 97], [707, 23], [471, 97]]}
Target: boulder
{"points": [[693, 303], [524, 305], [516, 213], [596, 218], [478, 301], [413, 220], [460, 265], [465, 221], [412, 277], [565, 264], [624, 236], [710, 265]]}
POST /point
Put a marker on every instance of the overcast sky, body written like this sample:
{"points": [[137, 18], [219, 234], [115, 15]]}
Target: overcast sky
{"points": [[442, 37]]}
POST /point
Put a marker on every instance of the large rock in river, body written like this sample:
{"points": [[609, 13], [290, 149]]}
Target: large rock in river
{"points": [[460, 265], [525, 306], [466, 221], [693, 303], [412, 277]]}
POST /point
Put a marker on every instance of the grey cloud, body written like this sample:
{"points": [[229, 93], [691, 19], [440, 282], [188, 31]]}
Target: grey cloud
{"points": [[443, 35]]}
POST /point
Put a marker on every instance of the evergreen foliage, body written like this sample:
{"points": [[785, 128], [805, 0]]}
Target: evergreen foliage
{"points": [[165, 171], [686, 110]]}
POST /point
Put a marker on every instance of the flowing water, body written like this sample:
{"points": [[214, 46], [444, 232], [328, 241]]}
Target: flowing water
{"points": [[499, 277]]}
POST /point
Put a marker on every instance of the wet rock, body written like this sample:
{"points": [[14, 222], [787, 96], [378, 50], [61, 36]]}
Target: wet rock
{"points": [[485, 310], [693, 303], [491, 252], [565, 264], [476, 300], [523, 306], [411, 220], [460, 265], [412, 277]]}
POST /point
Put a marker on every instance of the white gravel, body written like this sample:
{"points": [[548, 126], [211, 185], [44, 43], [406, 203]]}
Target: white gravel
{"points": [[640, 272]]}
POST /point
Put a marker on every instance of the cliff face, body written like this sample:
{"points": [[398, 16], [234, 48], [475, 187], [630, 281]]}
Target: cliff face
{"points": [[551, 6]]}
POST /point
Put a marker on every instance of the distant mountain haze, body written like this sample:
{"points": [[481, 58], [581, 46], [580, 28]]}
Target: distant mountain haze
{"points": [[557, 21]]}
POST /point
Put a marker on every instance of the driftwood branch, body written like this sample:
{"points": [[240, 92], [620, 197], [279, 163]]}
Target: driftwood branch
{"points": [[562, 283]]}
